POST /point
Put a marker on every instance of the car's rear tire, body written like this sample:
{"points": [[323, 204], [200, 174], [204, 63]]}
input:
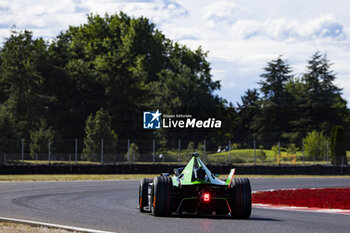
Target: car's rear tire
{"points": [[143, 193], [162, 196], [241, 203]]}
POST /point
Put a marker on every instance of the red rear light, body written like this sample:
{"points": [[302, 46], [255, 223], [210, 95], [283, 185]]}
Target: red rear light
{"points": [[206, 197]]}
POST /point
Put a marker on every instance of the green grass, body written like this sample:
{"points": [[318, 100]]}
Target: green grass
{"points": [[90, 163], [53, 162], [242, 156], [72, 177], [250, 152], [238, 156], [246, 157]]}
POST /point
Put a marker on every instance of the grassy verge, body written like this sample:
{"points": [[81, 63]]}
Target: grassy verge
{"points": [[61, 162], [72, 177], [89, 162], [238, 156], [246, 157], [14, 178]]}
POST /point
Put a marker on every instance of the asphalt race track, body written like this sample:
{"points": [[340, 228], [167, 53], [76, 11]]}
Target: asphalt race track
{"points": [[111, 206]]}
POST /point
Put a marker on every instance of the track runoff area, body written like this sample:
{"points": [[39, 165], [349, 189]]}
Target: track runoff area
{"points": [[192, 189], [110, 206]]}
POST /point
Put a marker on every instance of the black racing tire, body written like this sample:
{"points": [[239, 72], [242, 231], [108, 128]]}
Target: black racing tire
{"points": [[143, 193], [162, 196], [241, 203]]}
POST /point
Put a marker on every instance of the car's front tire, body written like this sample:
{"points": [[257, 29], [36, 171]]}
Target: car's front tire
{"points": [[143, 193]]}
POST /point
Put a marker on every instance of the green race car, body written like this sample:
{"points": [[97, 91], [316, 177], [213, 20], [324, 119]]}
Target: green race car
{"points": [[195, 190]]}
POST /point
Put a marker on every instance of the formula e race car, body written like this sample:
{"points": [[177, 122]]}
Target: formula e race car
{"points": [[195, 190]]}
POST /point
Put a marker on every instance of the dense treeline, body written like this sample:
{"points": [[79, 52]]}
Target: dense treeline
{"points": [[117, 63], [287, 106], [96, 79]]}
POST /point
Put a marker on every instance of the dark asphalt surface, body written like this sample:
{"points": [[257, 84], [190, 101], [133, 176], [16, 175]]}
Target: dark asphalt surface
{"points": [[111, 206]]}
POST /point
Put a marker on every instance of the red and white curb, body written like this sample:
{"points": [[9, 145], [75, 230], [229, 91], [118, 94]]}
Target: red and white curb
{"points": [[50, 225], [305, 209], [297, 208]]}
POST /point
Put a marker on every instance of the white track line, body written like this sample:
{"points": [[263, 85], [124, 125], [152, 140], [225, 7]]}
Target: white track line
{"points": [[34, 223], [298, 208]]}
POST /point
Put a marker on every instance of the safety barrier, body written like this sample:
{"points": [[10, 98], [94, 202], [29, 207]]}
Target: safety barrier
{"points": [[160, 168]]}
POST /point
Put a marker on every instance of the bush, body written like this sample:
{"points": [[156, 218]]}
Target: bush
{"points": [[315, 145], [338, 145], [200, 149], [237, 160], [99, 127], [170, 155], [292, 149], [190, 147], [133, 153], [40, 138], [235, 146], [187, 153], [261, 153], [275, 150]]}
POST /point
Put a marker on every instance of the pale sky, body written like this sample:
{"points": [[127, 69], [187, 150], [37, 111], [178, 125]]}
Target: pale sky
{"points": [[240, 35]]}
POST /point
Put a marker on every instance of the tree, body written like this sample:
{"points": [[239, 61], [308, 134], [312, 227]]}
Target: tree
{"points": [[9, 140], [24, 65], [247, 110], [127, 66], [323, 105], [292, 106], [338, 145], [297, 121], [185, 86], [98, 127], [108, 61], [272, 120]]}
